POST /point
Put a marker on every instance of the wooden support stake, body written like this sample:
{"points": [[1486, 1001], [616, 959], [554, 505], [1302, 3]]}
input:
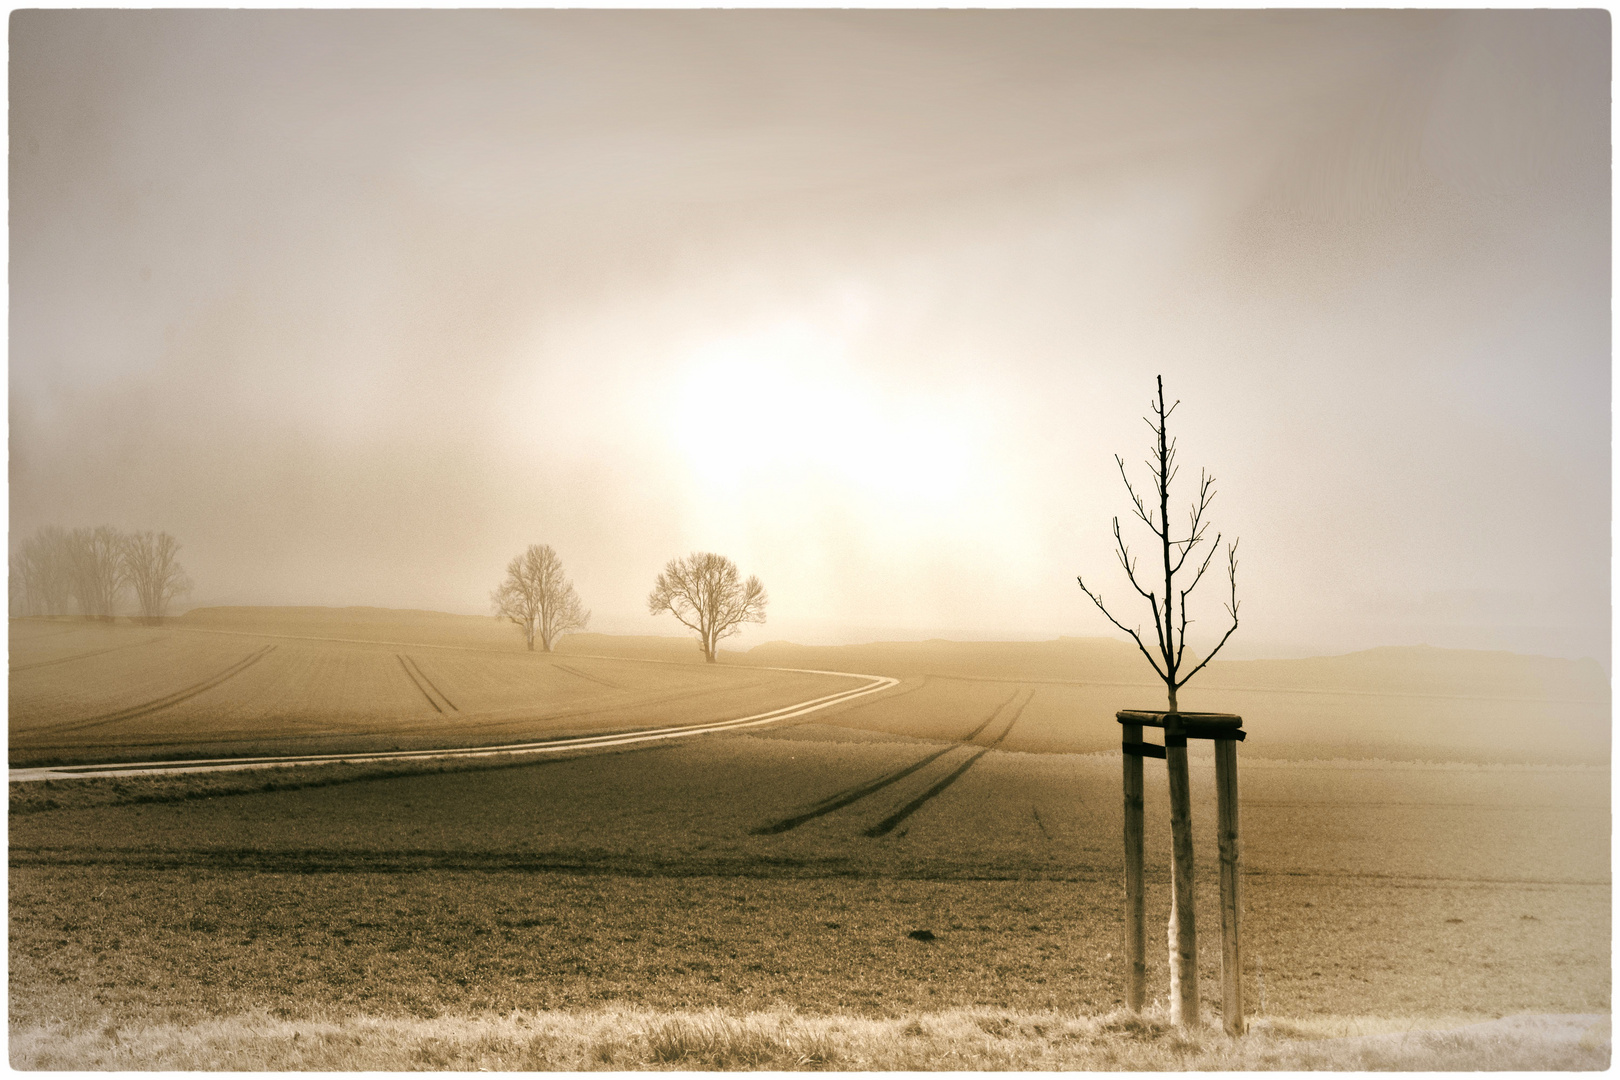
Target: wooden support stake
{"points": [[1226, 785], [1183, 930], [1135, 902]]}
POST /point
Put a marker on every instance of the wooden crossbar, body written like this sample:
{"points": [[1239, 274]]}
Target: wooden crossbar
{"points": [[1192, 726]]}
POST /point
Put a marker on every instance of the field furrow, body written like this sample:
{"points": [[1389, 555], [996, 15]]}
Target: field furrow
{"points": [[197, 694], [947, 842], [82, 656], [168, 701], [417, 682], [415, 666]]}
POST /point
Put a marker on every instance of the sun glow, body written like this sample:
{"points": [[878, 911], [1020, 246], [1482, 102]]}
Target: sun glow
{"points": [[787, 406]]}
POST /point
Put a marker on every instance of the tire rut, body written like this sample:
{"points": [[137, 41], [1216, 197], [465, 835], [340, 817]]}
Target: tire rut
{"points": [[417, 682], [82, 656], [852, 795], [168, 701], [888, 824], [588, 678], [433, 685], [848, 796]]}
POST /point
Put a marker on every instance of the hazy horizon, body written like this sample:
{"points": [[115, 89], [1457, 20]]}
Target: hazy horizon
{"points": [[359, 304]]}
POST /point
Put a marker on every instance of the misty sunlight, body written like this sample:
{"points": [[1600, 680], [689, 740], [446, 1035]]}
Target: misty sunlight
{"points": [[784, 409]]}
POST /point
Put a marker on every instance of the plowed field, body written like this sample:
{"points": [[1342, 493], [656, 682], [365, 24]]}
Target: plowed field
{"points": [[786, 867], [96, 692]]}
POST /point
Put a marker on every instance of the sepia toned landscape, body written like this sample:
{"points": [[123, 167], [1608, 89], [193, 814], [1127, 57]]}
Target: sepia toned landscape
{"points": [[342, 914], [809, 540]]}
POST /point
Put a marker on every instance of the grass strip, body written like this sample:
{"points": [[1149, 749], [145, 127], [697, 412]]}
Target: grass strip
{"points": [[978, 1039]]}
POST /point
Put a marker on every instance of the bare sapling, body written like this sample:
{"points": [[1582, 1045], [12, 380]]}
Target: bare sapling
{"points": [[1170, 619], [1180, 557]]}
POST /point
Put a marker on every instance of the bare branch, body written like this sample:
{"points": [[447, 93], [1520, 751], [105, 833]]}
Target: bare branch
{"points": [[1182, 648], [1127, 562], [1141, 509], [1196, 526], [1170, 628], [1095, 599], [1199, 575], [1231, 608]]}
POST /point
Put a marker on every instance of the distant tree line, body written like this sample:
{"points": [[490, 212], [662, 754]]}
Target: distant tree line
{"points": [[704, 592], [87, 571]]}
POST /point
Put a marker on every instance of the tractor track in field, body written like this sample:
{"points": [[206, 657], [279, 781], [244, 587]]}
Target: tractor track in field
{"points": [[476, 724], [873, 684], [589, 678], [433, 685], [83, 656], [848, 796], [419, 679], [54, 633], [851, 795], [167, 701], [888, 824]]}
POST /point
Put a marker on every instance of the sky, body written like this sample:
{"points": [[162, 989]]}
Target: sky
{"points": [[357, 305]]}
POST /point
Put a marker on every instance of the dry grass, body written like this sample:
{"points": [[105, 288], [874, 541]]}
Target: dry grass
{"points": [[958, 1039]]}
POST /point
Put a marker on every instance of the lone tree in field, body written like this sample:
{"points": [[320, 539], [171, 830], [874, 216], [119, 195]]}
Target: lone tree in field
{"points": [[1176, 555], [539, 597], [153, 572], [1170, 619], [703, 591]]}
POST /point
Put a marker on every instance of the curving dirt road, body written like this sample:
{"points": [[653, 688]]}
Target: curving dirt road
{"points": [[874, 684]]}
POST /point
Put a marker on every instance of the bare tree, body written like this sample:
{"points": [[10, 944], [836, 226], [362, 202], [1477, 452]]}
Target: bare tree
{"points": [[704, 593], [1170, 624], [96, 569], [1170, 619], [42, 580], [26, 584], [17, 586], [539, 598], [152, 570]]}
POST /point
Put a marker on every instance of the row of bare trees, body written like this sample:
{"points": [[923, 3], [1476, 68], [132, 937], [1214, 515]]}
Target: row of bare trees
{"points": [[703, 591], [86, 571]]}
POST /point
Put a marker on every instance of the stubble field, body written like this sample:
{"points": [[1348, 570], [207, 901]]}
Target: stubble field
{"points": [[787, 872]]}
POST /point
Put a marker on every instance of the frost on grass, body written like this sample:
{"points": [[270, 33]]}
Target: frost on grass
{"points": [[982, 1039]]}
